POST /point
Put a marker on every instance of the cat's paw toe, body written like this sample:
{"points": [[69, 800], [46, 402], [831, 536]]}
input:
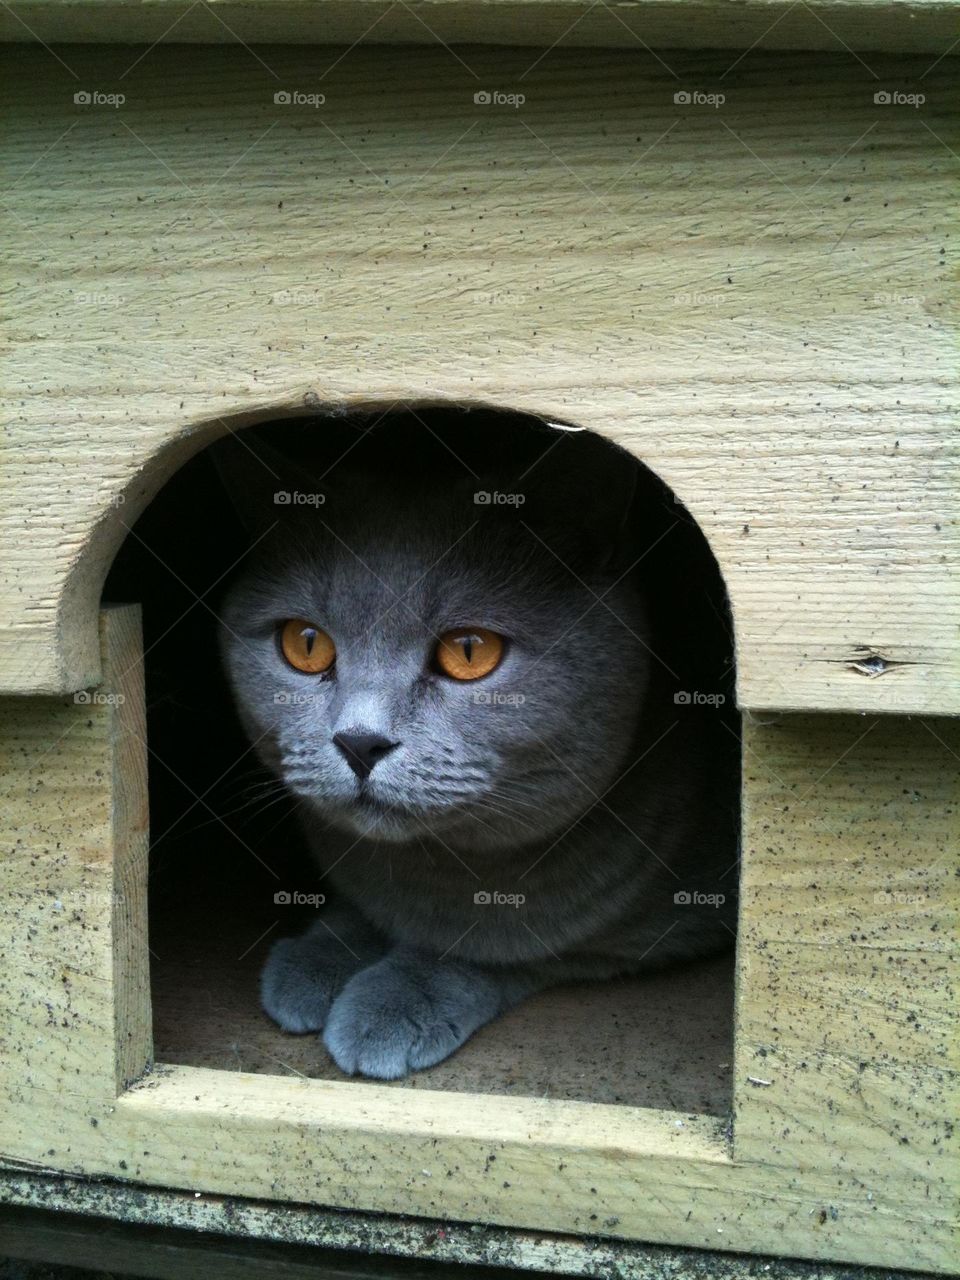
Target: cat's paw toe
{"points": [[390, 1020], [295, 993], [387, 1046]]}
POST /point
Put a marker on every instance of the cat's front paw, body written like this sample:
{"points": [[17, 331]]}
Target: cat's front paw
{"points": [[406, 1013], [302, 976]]}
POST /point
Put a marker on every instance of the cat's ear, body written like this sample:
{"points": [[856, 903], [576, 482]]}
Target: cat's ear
{"points": [[580, 488], [261, 482]]}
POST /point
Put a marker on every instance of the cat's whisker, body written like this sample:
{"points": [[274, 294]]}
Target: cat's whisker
{"points": [[297, 803], [281, 794], [476, 817], [429, 856], [257, 788], [254, 773], [499, 793], [499, 812]]}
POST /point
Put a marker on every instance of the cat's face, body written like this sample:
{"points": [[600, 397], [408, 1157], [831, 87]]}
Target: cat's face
{"points": [[489, 763]]}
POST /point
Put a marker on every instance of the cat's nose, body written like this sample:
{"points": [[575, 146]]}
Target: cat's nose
{"points": [[362, 750]]}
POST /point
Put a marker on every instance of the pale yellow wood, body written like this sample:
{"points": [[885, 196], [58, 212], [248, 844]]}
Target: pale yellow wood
{"points": [[848, 1026], [914, 25], [752, 298], [844, 1069], [122, 646], [556, 1166], [74, 982]]}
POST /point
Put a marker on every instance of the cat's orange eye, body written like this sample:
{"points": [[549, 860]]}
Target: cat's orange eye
{"points": [[469, 653], [307, 646]]}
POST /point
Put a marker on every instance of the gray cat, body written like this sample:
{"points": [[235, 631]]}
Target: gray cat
{"points": [[460, 673]]}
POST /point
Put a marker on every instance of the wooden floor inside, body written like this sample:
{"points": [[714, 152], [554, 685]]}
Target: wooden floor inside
{"points": [[663, 1041]]}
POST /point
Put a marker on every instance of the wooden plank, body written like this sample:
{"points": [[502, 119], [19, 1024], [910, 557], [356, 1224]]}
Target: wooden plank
{"points": [[919, 25], [840, 1148], [752, 298], [74, 984], [122, 646], [848, 1026], [538, 1164]]}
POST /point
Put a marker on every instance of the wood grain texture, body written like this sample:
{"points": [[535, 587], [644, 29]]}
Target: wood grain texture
{"points": [[916, 25], [753, 298], [74, 990], [844, 1074], [848, 1026]]}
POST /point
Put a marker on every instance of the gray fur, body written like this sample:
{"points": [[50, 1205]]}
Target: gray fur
{"points": [[563, 795]]}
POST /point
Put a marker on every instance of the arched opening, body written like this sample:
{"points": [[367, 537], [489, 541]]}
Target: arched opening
{"points": [[228, 843]]}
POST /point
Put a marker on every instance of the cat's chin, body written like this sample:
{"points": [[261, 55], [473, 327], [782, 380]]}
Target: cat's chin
{"points": [[383, 824], [377, 820], [396, 824]]}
